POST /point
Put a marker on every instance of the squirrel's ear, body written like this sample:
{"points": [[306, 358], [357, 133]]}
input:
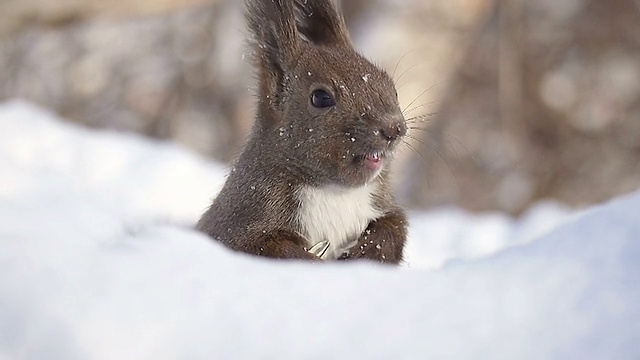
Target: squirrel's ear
{"points": [[320, 22], [274, 39]]}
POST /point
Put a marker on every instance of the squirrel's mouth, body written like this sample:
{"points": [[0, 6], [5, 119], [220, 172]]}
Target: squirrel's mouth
{"points": [[373, 161]]}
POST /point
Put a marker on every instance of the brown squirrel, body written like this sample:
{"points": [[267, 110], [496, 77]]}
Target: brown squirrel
{"points": [[313, 175]]}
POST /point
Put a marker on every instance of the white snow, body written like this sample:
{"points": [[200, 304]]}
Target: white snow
{"points": [[97, 261]]}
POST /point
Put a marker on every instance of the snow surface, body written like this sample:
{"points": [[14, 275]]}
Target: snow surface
{"points": [[97, 261]]}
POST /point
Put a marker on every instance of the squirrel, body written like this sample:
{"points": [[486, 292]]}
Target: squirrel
{"points": [[312, 181]]}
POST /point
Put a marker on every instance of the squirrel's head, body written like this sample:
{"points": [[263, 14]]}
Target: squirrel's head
{"points": [[333, 115]]}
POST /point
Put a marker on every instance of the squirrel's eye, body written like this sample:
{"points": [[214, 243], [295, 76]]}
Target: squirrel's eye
{"points": [[322, 99]]}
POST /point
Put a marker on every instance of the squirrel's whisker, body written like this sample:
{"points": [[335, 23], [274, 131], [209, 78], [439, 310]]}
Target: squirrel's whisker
{"points": [[418, 107], [409, 136], [417, 128], [396, 81], [420, 119], [393, 74], [419, 96]]}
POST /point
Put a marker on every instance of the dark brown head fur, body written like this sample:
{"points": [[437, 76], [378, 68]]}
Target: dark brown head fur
{"points": [[299, 48]]}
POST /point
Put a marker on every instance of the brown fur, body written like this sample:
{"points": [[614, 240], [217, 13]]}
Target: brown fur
{"points": [[382, 241], [298, 47]]}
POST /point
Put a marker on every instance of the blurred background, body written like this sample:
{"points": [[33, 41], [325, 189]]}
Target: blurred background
{"points": [[514, 101]]}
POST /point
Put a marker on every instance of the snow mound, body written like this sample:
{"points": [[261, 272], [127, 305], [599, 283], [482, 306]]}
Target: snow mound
{"points": [[97, 261]]}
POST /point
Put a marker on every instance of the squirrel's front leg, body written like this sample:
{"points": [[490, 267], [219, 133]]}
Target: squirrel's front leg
{"points": [[382, 241], [283, 245]]}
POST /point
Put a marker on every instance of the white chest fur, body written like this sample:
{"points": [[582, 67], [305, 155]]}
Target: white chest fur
{"points": [[338, 215]]}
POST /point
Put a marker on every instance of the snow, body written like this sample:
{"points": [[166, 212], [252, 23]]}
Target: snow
{"points": [[98, 261]]}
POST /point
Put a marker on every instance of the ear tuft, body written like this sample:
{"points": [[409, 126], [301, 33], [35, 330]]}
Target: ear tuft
{"points": [[274, 43], [273, 28], [320, 23]]}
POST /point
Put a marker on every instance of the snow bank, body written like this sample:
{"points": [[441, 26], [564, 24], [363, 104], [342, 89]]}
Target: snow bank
{"points": [[96, 263]]}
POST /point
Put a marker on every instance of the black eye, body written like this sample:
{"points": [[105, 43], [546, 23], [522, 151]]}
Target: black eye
{"points": [[322, 99]]}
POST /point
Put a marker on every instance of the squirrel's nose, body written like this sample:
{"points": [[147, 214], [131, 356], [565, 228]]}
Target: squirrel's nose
{"points": [[394, 129]]}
